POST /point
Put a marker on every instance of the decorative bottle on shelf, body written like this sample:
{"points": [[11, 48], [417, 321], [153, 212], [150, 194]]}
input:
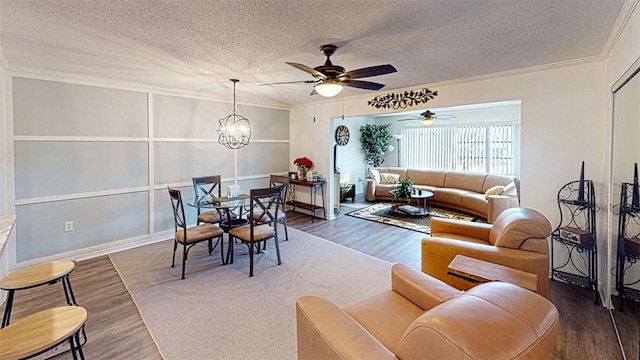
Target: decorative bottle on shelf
{"points": [[581, 185], [635, 195], [309, 175]]}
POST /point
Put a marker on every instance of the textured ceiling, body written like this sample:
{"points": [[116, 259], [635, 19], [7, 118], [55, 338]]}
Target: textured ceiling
{"points": [[197, 46]]}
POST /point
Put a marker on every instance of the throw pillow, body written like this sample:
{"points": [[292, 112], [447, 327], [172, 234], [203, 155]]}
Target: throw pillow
{"points": [[375, 175], [386, 178], [510, 189], [496, 190]]}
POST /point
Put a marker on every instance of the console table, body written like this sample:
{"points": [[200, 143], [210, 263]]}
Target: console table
{"points": [[313, 207]]}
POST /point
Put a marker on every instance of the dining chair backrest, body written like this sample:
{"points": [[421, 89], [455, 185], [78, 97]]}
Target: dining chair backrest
{"points": [[265, 204], [276, 180], [207, 185], [178, 209]]}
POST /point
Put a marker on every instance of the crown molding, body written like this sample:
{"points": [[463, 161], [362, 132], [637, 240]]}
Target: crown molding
{"points": [[621, 22], [490, 76], [40, 74]]}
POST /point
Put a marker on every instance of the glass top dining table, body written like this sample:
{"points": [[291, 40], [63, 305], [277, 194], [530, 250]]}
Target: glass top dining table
{"points": [[232, 209]]}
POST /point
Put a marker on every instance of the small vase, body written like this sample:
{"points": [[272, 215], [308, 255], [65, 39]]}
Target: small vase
{"points": [[302, 174]]}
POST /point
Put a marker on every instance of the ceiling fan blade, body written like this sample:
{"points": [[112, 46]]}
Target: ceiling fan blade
{"points": [[292, 82], [368, 85], [411, 119], [311, 71], [369, 71]]}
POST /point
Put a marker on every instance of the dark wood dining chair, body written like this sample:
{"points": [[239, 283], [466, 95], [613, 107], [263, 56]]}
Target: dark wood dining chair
{"points": [[264, 205], [208, 186], [188, 237], [280, 180]]}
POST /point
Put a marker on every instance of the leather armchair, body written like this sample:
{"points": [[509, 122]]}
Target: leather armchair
{"points": [[517, 239], [424, 318]]}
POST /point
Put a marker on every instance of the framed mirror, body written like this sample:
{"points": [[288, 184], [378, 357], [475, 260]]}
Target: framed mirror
{"points": [[625, 218]]}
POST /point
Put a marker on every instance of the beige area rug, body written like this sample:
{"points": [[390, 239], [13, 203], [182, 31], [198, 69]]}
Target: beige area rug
{"points": [[218, 312], [381, 212]]}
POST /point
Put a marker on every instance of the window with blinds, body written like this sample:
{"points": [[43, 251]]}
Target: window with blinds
{"points": [[490, 148]]}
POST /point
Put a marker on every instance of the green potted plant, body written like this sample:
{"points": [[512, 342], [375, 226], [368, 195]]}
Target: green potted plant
{"points": [[375, 142], [405, 188]]}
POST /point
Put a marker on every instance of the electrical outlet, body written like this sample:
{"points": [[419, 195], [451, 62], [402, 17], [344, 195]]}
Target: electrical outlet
{"points": [[68, 226]]}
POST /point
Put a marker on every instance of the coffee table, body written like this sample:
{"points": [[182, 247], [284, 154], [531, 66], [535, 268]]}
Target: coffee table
{"points": [[402, 205]]}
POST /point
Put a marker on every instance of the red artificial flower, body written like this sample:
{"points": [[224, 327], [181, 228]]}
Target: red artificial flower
{"points": [[303, 161]]}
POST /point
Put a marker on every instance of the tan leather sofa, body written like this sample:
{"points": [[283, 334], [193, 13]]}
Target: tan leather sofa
{"points": [[518, 239], [464, 191], [423, 318]]}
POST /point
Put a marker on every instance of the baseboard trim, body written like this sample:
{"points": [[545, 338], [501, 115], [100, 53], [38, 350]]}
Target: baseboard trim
{"points": [[100, 250]]}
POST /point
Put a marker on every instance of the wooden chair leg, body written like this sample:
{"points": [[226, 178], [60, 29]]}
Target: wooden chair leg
{"points": [[211, 245]]}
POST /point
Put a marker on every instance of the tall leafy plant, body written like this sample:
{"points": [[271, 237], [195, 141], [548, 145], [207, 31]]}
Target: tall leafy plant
{"points": [[375, 142]]}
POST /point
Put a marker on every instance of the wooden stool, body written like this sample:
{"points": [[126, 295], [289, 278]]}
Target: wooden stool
{"points": [[37, 275], [34, 334]]}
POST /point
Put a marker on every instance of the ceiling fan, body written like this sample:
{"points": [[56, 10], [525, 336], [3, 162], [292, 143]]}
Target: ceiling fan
{"points": [[428, 118], [331, 78]]}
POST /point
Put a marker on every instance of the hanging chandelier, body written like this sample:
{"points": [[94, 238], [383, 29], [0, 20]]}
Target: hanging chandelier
{"points": [[235, 129]]}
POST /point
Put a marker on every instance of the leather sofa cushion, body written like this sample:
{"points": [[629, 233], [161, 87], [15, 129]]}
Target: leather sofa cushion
{"points": [[385, 316], [476, 202], [517, 326], [465, 181], [427, 177], [383, 189], [495, 180], [451, 196]]}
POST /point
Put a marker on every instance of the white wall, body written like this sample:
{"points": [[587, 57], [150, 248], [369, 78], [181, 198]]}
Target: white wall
{"points": [[350, 158], [564, 117], [103, 157], [4, 138]]}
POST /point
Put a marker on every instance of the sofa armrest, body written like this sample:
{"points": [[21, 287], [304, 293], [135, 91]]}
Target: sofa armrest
{"points": [[499, 203], [327, 332], [370, 189], [423, 290], [437, 254], [459, 227]]}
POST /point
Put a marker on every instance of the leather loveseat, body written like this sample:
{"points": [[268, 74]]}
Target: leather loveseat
{"points": [[423, 318], [518, 239], [464, 191]]}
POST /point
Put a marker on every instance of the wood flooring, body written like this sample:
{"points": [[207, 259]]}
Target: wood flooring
{"points": [[116, 330]]}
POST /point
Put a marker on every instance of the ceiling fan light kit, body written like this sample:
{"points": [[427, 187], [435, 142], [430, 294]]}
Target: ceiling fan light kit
{"points": [[332, 78], [235, 130], [329, 88]]}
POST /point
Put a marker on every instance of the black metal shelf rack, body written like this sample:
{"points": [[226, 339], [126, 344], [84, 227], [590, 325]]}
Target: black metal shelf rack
{"points": [[628, 235], [577, 205]]}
